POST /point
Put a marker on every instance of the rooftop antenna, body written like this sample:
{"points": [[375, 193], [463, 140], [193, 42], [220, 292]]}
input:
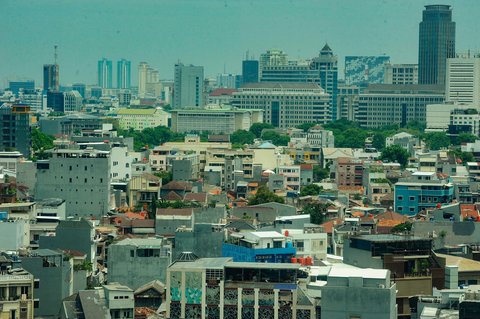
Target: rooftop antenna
{"points": [[55, 54]]}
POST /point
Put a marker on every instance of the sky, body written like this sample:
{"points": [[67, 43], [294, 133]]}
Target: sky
{"points": [[212, 33]]}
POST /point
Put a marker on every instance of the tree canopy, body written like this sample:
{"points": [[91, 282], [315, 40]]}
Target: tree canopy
{"points": [[264, 195], [310, 190], [40, 143], [152, 137], [395, 153], [436, 140], [317, 212], [257, 128], [241, 137], [277, 139]]}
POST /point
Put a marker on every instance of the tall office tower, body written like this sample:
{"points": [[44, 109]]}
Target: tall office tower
{"points": [[51, 77], [81, 88], [436, 44], [188, 86], [142, 78], [15, 124], [463, 79], [326, 64], [105, 73], [123, 74], [226, 81], [250, 71], [272, 57], [401, 74]]}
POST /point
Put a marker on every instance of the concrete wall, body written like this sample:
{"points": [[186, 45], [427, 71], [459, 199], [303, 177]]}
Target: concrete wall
{"points": [[14, 235], [202, 241], [360, 258], [85, 187], [455, 233], [364, 302], [55, 285], [134, 271]]}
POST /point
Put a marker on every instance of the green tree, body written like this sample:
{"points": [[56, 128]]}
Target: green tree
{"points": [[463, 156], [378, 141], [311, 190], [402, 228], [436, 140], [320, 173], [166, 176], [306, 126], [264, 195], [242, 137], [395, 153], [464, 138], [257, 128], [40, 143], [277, 139], [317, 212]]}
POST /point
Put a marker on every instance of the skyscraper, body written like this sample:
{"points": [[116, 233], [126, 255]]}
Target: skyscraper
{"points": [[326, 64], [188, 86], [148, 81], [250, 71], [436, 44], [51, 77], [16, 131], [463, 79], [123, 74], [105, 73]]}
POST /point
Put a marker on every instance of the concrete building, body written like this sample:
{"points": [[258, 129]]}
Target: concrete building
{"points": [[383, 105], [35, 99], [464, 121], [291, 175], [421, 191], [72, 102], [17, 86], [15, 234], [134, 262], [140, 119], [16, 292], [463, 79], [436, 44], [349, 292], [401, 74], [408, 258], [51, 80], [261, 246], [70, 124], [347, 102], [54, 272], [250, 71], [16, 131], [220, 288], [80, 177], [10, 161], [286, 105], [215, 121], [188, 87], [407, 141], [149, 84], [109, 301], [347, 171]]}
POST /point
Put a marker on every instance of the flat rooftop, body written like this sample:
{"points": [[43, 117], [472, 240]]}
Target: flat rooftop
{"points": [[389, 238]]}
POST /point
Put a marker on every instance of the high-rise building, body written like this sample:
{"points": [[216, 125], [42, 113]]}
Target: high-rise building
{"points": [[188, 86], [51, 80], [105, 73], [250, 71], [148, 81], [401, 74], [326, 65], [81, 88], [436, 44], [463, 79], [123, 74], [72, 101], [15, 126]]}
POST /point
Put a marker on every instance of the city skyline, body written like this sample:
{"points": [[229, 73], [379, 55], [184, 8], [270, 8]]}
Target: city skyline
{"points": [[239, 27]]}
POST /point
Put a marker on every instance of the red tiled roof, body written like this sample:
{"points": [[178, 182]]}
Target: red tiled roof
{"points": [[306, 167], [74, 253], [172, 196], [223, 91], [143, 223], [468, 210], [177, 185], [392, 216], [328, 226], [198, 197]]}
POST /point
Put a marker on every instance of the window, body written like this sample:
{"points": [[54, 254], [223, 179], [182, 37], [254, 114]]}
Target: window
{"points": [[400, 197], [411, 198]]}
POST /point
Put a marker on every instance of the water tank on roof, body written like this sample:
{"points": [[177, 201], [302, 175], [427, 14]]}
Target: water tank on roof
{"points": [[3, 216]]}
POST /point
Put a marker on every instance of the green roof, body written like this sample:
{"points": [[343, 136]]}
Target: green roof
{"points": [[136, 111]]}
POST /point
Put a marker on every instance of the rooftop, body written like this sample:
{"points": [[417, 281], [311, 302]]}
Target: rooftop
{"points": [[140, 242], [359, 272]]}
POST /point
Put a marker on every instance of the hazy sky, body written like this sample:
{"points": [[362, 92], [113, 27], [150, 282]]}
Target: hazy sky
{"points": [[212, 33]]}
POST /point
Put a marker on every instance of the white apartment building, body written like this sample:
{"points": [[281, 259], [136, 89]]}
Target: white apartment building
{"points": [[463, 79], [291, 175], [139, 119], [217, 120], [286, 105], [401, 74]]}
